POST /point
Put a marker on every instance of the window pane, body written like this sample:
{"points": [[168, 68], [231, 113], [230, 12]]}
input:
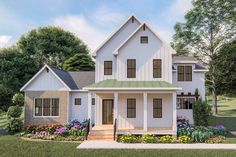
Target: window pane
{"points": [[180, 73], [93, 101], [77, 101], [46, 107], [38, 107], [144, 39], [188, 73], [157, 108], [157, 68], [55, 107], [131, 68], [107, 67], [131, 108]]}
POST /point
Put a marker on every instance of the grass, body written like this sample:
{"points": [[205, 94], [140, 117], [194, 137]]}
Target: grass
{"points": [[13, 146], [226, 113]]}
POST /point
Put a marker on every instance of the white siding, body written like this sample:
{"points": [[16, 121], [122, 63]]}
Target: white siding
{"points": [[144, 55], [46, 81], [80, 112], [106, 52]]}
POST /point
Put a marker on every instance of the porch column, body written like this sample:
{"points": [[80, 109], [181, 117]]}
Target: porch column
{"points": [[174, 126], [115, 107], [90, 108], [145, 128]]}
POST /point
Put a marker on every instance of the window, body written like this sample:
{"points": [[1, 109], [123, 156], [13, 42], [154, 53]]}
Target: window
{"points": [[131, 108], [131, 68], [46, 107], [184, 73], [185, 102], [157, 108], [77, 101], [93, 101], [144, 39], [107, 67], [156, 68]]}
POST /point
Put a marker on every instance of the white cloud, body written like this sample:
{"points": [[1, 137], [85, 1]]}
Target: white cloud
{"points": [[5, 41], [83, 29]]}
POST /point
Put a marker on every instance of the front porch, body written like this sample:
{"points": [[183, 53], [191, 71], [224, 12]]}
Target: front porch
{"points": [[111, 109]]}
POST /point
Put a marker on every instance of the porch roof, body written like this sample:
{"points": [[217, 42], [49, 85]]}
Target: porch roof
{"points": [[113, 84]]}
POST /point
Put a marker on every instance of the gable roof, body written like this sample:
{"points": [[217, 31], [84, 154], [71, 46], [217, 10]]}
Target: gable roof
{"points": [[83, 78], [109, 38], [136, 31]]}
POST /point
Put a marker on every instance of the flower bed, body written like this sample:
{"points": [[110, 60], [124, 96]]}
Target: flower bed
{"points": [[73, 131]]}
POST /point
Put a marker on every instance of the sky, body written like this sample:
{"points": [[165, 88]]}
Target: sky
{"points": [[90, 20]]}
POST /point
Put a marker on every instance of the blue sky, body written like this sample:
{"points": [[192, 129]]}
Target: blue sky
{"points": [[91, 20]]}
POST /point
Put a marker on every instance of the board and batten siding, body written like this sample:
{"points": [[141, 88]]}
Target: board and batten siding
{"points": [[144, 55], [46, 81], [106, 52]]}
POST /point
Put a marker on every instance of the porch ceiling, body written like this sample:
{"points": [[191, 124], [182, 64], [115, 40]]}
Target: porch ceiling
{"points": [[113, 84]]}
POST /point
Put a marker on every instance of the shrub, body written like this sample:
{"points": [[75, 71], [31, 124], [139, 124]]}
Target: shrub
{"points": [[128, 138], [18, 99], [219, 130], [14, 112], [201, 113], [14, 125], [216, 139], [201, 134], [148, 138], [184, 139], [61, 131], [167, 139], [182, 122], [185, 131]]}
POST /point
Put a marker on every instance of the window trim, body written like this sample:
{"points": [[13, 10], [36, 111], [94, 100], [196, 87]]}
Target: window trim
{"points": [[157, 68], [131, 68], [178, 107], [184, 73], [131, 108], [110, 68], [80, 102], [161, 108], [34, 116], [143, 37]]}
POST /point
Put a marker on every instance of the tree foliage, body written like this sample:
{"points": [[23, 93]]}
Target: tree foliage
{"points": [[79, 62], [50, 45], [209, 25], [18, 99], [201, 113]]}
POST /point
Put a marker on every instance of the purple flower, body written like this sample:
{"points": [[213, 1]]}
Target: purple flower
{"points": [[219, 127], [79, 126], [61, 131]]}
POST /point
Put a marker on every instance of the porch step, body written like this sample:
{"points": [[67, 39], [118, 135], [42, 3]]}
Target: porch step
{"points": [[100, 135]]}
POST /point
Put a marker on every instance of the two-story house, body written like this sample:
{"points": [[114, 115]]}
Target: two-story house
{"points": [[139, 86]]}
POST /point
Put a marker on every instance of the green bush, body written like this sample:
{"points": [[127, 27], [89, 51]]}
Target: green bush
{"points": [[14, 125], [201, 113], [128, 138], [148, 138], [18, 99], [201, 135], [14, 111], [219, 131], [168, 139]]}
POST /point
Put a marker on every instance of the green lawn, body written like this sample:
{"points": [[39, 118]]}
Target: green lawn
{"points": [[226, 113]]}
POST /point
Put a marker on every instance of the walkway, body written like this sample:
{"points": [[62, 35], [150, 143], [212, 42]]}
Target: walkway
{"points": [[115, 145]]}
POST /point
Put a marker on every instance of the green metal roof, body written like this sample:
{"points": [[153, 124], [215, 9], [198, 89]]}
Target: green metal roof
{"points": [[112, 83]]}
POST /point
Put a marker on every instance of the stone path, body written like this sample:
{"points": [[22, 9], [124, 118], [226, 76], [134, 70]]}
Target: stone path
{"points": [[115, 145]]}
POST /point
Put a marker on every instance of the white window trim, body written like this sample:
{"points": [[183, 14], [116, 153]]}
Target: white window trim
{"points": [[42, 108], [184, 97]]}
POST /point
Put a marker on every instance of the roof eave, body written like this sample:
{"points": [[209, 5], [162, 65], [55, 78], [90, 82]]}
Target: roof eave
{"points": [[161, 89]]}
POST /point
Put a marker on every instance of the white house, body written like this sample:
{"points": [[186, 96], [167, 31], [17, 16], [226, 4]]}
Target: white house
{"points": [[139, 86]]}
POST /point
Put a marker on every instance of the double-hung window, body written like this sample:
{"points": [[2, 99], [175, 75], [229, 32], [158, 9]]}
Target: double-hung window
{"points": [[157, 108], [131, 68], [131, 108], [156, 68], [46, 107], [184, 73], [107, 67]]}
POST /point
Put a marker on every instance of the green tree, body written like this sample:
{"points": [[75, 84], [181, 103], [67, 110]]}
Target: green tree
{"points": [[50, 45], [18, 99], [5, 97], [209, 25], [226, 69], [79, 62], [201, 113]]}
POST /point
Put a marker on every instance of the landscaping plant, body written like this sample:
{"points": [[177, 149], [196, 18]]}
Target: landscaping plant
{"points": [[148, 138], [128, 138], [201, 113], [14, 123]]}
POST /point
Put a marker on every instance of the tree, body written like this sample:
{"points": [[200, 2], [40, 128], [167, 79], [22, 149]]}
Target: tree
{"points": [[5, 97], [209, 25], [79, 62], [18, 99], [226, 69], [201, 113], [50, 45]]}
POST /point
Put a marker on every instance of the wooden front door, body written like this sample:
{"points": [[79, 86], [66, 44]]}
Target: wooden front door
{"points": [[107, 111]]}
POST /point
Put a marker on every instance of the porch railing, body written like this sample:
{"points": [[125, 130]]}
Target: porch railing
{"points": [[115, 127], [88, 129]]}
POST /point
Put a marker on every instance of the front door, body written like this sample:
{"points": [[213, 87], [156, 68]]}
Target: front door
{"points": [[107, 111]]}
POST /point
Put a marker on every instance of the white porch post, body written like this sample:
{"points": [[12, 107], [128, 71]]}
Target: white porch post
{"points": [[90, 108], [174, 127], [145, 128], [115, 107]]}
